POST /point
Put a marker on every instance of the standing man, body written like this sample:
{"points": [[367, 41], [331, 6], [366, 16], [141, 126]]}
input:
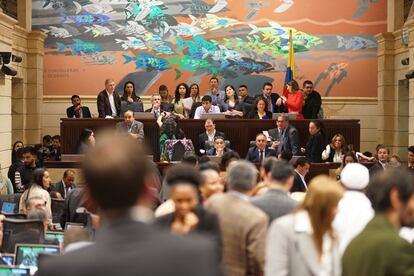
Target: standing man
{"points": [[217, 96], [108, 101], [244, 95], [130, 126], [24, 175], [271, 99], [312, 101], [258, 153], [66, 184], [243, 226], [285, 136], [77, 110], [302, 167], [410, 158], [206, 107], [382, 157], [378, 249]]}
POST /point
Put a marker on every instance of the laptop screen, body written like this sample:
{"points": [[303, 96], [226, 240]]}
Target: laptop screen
{"points": [[7, 259], [27, 254], [14, 271], [8, 207], [60, 236]]}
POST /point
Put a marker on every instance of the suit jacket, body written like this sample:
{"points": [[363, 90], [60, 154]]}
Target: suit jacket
{"points": [[289, 141], [243, 231], [74, 199], [377, 167], [248, 99], [378, 250], [253, 154], [163, 107], [202, 138], [273, 99], [136, 128], [253, 115], [275, 203], [314, 147], [70, 112], [312, 105], [298, 185], [291, 250], [133, 248], [104, 107], [60, 188]]}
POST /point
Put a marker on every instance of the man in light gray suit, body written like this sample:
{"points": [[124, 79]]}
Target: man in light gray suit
{"points": [[129, 125], [276, 202]]}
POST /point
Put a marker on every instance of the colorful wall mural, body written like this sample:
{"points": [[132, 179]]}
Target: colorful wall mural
{"points": [[154, 42]]}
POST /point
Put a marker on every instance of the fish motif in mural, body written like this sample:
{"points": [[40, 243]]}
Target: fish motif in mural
{"points": [[86, 18], [97, 8], [355, 43], [148, 62], [212, 22], [249, 66], [156, 43], [189, 63], [286, 4], [131, 27], [131, 43], [221, 53], [335, 72], [98, 59], [98, 30], [139, 9], [254, 6], [57, 32], [200, 8], [184, 29], [80, 47], [196, 47], [218, 6]]}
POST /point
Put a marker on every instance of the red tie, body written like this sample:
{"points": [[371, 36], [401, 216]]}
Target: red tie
{"points": [[268, 104]]}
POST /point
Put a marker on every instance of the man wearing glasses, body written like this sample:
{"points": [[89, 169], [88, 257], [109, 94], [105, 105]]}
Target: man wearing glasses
{"points": [[312, 101]]}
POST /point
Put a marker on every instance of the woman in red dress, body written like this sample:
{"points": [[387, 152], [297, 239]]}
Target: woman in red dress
{"points": [[293, 98]]}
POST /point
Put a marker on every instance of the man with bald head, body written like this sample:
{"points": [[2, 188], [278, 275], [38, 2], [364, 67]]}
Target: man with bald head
{"points": [[130, 126], [109, 102]]}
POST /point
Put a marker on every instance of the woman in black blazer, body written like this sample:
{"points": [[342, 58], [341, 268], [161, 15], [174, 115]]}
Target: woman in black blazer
{"points": [[260, 110], [316, 142]]}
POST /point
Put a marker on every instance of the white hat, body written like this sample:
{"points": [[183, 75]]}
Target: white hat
{"points": [[355, 176]]}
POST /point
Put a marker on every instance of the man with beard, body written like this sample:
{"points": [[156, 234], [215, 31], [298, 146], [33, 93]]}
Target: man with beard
{"points": [[24, 174], [378, 249]]}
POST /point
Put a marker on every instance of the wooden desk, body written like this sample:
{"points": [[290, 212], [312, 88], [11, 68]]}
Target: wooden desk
{"points": [[239, 132]]}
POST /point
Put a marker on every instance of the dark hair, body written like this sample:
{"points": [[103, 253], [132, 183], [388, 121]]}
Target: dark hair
{"points": [[381, 184], [182, 173], [206, 98], [410, 149], [74, 97], [189, 158], [258, 99], [321, 128], [381, 146], [198, 88], [169, 127], [210, 165], [294, 84], [228, 157], [267, 84], [236, 96], [281, 171], [163, 87], [268, 163], [115, 173], [47, 138], [349, 154], [243, 85], [214, 78], [57, 137], [307, 82], [86, 132], [177, 93], [259, 134], [133, 95], [38, 176], [203, 159], [66, 172], [29, 149], [17, 142], [286, 155], [19, 154], [302, 161]]}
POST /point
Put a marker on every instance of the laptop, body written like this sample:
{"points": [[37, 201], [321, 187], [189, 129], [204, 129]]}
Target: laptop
{"points": [[14, 271], [8, 207], [69, 225], [291, 116], [60, 236], [27, 254], [6, 259], [214, 116], [143, 115]]}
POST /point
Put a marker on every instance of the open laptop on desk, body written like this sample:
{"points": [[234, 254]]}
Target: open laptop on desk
{"points": [[60, 236], [143, 115], [8, 207], [6, 259], [27, 254], [14, 271], [214, 116]]}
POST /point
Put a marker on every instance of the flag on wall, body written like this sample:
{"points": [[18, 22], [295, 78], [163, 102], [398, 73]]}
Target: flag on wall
{"points": [[290, 70]]}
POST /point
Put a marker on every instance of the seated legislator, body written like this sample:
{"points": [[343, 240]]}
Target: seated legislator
{"points": [[292, 98], [166, 98], [244, 95], [108, 101], [258, 153], [259, 110], [206, 107], [271, 99], [335, 151], [210, 134], [313, 101], [232, 106], [131, 126], [77, 110], [285, 136], [156, 107], [219, 147]]}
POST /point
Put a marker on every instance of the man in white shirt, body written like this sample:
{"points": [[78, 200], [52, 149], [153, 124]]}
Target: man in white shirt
{"points": [[206, 107], [108, 101]]}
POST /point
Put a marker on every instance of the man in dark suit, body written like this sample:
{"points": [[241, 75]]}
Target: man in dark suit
{"points": [[77, 110], [382, 157], [157, 107], [258, 153], [209, 135], [66, 184], [244, 95], [285, 136], [271, 99], [118, 177], [302, 167], [378, 249], [312, 101], [276, 202], [108, 101], [130, 126]]}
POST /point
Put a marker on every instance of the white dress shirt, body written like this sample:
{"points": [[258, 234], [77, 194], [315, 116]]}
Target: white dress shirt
{"points": [[112, 104], [200, 111]]}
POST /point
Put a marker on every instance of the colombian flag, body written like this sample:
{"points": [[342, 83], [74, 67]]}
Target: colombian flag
{"points": [[290, 70]]}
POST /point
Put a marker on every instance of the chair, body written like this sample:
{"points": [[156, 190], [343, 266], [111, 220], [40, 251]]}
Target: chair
{"points": [[178, 151], [57, 207], [174, 149], [15, 216], [26, 231], [134, 107]]}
